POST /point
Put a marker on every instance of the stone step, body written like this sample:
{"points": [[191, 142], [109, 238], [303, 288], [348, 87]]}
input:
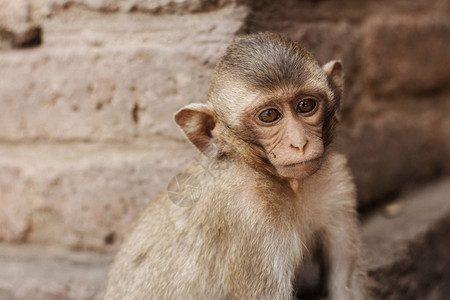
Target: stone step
{"points": [[405, 248], [148, 6], [42, 273], [82, 196], [111, 76]]}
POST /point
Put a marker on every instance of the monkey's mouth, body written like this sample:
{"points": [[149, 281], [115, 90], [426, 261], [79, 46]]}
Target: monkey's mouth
{"points": [[304, 162], [300, 170]]}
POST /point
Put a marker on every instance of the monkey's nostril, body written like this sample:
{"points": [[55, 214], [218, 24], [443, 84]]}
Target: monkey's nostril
{"points": [[304, 146]]}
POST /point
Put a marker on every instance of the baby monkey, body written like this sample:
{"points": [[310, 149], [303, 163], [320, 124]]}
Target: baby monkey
{"points": [[266, 194]]}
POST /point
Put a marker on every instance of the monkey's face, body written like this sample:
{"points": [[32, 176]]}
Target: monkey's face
{"points": [[289, 128], [270, 105]]}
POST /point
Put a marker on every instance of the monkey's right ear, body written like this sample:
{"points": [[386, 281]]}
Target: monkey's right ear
{"points": [[199, 123]]}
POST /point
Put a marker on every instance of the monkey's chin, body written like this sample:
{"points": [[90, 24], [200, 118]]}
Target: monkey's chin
{"points": [[300, 170]]}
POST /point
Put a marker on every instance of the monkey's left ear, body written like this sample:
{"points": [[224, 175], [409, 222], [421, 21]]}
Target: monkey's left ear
{"points": [[199, 123], [335, 74]]}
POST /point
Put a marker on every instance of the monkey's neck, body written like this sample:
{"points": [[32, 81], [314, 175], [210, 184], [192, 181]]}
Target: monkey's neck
{"points": [[295, 185]]}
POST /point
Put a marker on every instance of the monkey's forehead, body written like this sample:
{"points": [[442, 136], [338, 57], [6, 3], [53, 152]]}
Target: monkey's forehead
{"points": [[239, 92]]}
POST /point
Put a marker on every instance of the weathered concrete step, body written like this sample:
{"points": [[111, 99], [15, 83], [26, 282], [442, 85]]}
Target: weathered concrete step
{"points": [[81, 195], [111, 93], [91, 80], [40, 273], [74, 28], [149, 6], [408, 254]]}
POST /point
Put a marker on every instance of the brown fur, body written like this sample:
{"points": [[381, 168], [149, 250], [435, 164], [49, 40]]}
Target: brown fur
{"points": [[254, 225]]}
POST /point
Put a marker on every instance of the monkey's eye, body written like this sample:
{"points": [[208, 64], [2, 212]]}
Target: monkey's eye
{"points": [[306, 105], [269, 115]]}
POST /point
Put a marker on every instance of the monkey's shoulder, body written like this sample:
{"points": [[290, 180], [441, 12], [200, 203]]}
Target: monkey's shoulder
{"points": [[333, 185], [334, 166]]}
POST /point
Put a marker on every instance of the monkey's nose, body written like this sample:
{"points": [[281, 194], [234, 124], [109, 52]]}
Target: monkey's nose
{"points": [[299, 146]]}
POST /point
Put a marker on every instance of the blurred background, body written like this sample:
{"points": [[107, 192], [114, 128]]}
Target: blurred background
{"points": [[87, 93]]}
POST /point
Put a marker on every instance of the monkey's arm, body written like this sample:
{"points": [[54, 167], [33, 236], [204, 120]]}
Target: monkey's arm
{"points": [[340, 231], [346, 278]]}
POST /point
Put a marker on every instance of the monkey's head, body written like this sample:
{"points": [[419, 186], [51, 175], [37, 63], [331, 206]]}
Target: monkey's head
{"points": [[270, 105]]}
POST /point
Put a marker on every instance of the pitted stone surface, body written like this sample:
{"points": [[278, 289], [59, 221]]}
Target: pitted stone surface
{"points": [[82, 196]]}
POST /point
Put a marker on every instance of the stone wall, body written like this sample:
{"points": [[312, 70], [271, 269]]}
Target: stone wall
{"points": [[88, 89]]}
